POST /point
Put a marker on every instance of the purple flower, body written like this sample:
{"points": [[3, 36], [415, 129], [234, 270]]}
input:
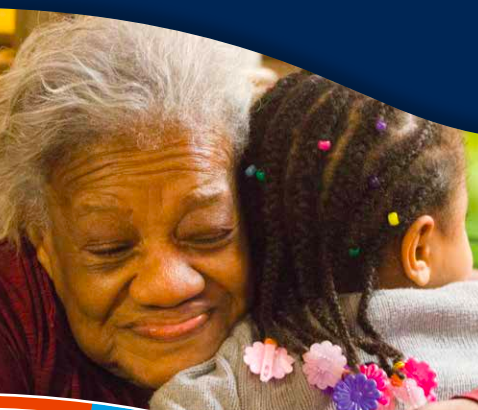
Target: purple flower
{"points": [[356, 392]]}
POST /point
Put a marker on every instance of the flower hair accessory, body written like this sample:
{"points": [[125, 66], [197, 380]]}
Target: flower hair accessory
{"points": [[324, 365], [410, 394], [373, 372], [356, 392], [412, 383], [423, 375], [268, 360]]}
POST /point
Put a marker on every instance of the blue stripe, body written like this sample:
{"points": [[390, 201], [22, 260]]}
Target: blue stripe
{"points": [[104, 407]]}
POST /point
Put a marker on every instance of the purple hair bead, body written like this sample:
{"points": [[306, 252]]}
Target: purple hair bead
{"points": [[373, 182], [381, 125]]}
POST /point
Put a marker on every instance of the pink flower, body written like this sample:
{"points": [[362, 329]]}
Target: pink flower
{"points": [[410, 394], [268, 360], [423, 375], [390, 401], [374, 372], [324, 365]]}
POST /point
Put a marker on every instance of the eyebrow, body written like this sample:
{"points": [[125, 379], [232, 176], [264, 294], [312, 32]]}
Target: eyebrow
{"points": [[198, 198], [201, 198], [87, 209]]}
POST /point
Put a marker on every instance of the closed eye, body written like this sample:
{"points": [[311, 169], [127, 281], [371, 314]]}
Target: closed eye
{"points": [[210, 241], [109, 250]]}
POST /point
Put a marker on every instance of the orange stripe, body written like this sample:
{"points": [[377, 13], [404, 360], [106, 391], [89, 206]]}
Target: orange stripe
{"points": [[41, 404]]}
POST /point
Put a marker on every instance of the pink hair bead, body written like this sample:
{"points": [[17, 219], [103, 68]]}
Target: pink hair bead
{"points": [[324, 145]]}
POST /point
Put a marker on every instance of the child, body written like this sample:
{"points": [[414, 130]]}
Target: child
{"points": [[356, 213]]}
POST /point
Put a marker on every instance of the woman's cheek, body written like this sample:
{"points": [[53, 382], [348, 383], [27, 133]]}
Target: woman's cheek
{"points": [[83, 290], [230, 269], [94, 295]]}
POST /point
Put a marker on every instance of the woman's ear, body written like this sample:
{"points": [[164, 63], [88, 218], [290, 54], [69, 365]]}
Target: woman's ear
{"points": [[41, 242], [416, 250]]}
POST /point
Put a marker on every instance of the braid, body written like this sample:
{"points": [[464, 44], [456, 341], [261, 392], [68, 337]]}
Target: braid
{"points": [[303, 174], [278, 133], [267, 106], [379, 348], [316, 205], [251, 193], [409, 205], [301, 203]]}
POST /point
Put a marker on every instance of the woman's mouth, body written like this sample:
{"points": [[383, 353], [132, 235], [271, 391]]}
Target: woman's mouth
{"points": [[168, 332]]}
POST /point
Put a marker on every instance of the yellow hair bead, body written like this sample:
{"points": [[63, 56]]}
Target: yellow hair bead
{"points": [[398, 365], [393, 219]]}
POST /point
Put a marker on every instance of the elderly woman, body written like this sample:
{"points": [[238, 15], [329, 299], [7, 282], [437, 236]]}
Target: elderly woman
{"points": [[122, 259]]}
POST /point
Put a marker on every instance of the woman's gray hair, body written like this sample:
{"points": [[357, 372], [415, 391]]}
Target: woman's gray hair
{"points": [[83, 79]]}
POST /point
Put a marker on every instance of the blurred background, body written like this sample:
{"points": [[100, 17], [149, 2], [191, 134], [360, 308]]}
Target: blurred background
{"points": [[472, 223], [15, 25]]}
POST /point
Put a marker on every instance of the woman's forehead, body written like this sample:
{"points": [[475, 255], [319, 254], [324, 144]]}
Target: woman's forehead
{"points": [[108, 161], [123, 178], [212, 192]]}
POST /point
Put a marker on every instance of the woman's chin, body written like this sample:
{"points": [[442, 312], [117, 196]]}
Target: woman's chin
{"points": [[150, 362]]}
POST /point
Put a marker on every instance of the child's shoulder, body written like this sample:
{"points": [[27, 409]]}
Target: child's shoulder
{"points": [[449, 293], [211, 384], [241, 334], [226, 383]]}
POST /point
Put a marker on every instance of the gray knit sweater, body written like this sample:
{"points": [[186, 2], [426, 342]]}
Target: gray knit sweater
{"points": [[439, 326]]}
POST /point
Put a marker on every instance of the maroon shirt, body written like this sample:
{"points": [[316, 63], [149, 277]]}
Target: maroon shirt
{"points": [[38, 354]]}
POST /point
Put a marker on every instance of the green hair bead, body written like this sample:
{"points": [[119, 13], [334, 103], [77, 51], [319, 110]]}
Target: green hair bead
{"points": [[354, 252], [261, 175]]}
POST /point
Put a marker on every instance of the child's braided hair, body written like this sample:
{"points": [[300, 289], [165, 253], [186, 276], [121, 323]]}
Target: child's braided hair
{"points": [[318, 222]]}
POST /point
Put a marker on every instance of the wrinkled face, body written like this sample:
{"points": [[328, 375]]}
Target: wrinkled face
{"points": [[453, 260], [147, 254]]}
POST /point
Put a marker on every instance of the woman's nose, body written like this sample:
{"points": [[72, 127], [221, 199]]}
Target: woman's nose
{"points": [[166, 280]]}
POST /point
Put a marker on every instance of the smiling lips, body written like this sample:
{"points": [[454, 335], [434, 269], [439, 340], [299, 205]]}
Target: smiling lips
{"points": [[170, 331]]}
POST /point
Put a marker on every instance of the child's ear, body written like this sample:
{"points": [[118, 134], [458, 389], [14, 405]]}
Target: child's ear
{"points": [[416, 250], [42, 244]]}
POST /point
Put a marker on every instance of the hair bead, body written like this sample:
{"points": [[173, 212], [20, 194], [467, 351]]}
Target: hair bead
{"points": [[250, 171], [260, 175], [393, 219], [354, 252], [381, 125], [324, 145], [270, 341], [309, 124], [396, 381], [373, 182], [398, 365]]}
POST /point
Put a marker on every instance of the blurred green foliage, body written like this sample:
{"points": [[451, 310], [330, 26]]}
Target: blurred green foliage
{"points": [[472, 222]]}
